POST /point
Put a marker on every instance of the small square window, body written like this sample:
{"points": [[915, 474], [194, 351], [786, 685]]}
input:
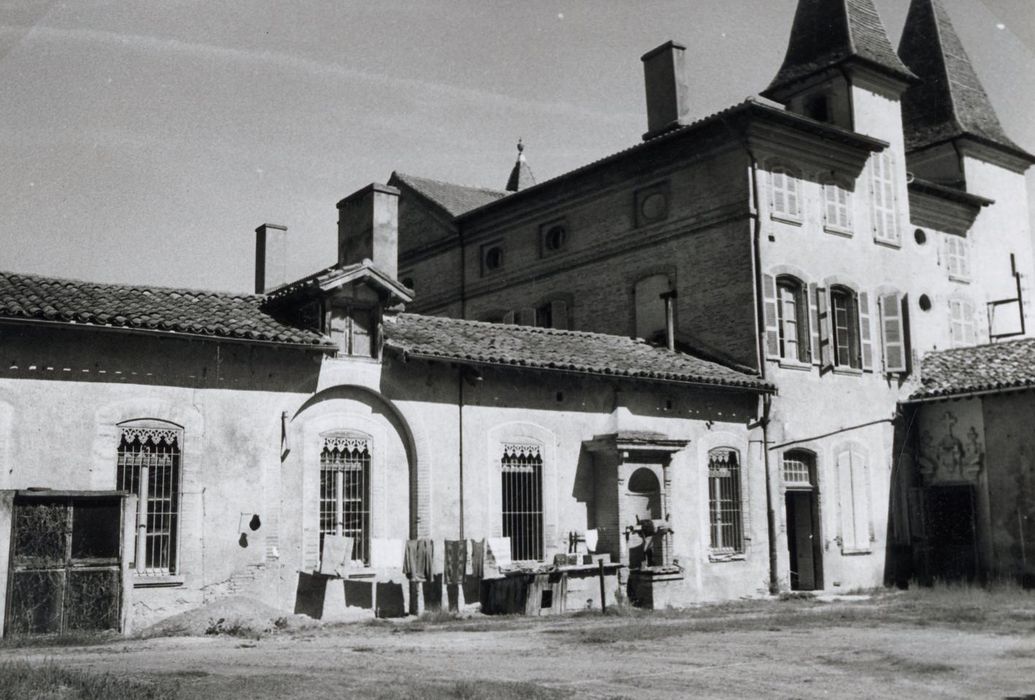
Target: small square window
{"points": [[553, 237], [652, 204], [492, 258]]}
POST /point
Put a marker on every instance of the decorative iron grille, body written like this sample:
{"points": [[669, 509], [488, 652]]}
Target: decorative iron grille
{"points": [[724, 503], [522, 476], [149, 466], [345, 492]]}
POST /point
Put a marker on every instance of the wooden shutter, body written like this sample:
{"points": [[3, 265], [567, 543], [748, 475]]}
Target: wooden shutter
{"points": [[893, 333], [805, 324], [826, 345], [772, 323], [559, 314], [854, 506], [865, 334], [810, 303]]}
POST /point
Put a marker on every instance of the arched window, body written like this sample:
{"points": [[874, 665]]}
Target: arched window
{"points": [[345, 492], [844, 310], [784, 193], [792, 319], [521, 468], [799, 469], [650, 307], [724, 501], [149, 467]]}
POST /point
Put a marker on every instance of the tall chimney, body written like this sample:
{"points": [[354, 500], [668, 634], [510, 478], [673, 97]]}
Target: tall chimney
{"points": [[270, 257], [664, 74], [368, 227]]}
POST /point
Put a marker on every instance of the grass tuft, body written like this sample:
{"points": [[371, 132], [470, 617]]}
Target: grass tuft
{"points": [[20, 680]]}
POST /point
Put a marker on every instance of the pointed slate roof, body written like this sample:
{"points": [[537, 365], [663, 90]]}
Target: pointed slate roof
{"points": [[950, 101], [453, 199], [828, 33], [521, 177]]}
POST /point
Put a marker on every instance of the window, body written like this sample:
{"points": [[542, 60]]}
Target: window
{"points": [[353, 329], [345, 492], [552, 314], [837, 210], [553, 237], [882, 191], [792, 319], [893, 333], [784, 194], [845, 317], [957, 257], [149, 467], [854, 495], [797, 469], [652, 204], [522, 504], [650, 307], [818, 107], [724, 501], [492, 258], [962, 329]]}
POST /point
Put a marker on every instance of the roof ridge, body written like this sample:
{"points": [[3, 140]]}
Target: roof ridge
{"points": [[523, 329], [479, 188], [123, 285]]}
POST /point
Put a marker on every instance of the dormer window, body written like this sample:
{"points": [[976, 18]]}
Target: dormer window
{"points": [[353, 329], [818, 107]]}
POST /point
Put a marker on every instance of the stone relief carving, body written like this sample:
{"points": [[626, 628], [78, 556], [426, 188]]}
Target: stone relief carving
{"points": [[951, 458]]}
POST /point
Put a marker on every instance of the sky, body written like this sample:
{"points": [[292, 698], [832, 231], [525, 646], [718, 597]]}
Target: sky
{"points": [[143, 141]]}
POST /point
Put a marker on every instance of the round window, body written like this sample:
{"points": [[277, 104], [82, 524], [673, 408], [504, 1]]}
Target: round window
{"points": [[494, 258], [654, 206], [555, 237], [925, 302], [919, 236]]}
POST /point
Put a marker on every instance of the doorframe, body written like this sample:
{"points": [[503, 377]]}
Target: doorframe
{"points": [[816, 515]]}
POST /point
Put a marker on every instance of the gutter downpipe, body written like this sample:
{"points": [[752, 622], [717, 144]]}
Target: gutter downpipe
{"points": [[756, 264], [460, 379]]}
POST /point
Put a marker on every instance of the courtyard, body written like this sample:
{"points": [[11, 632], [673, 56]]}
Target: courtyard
{"points": [[941, 642]]}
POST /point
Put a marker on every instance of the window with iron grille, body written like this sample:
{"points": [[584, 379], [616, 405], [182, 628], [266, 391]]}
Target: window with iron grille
{"points": [[724, 504], [797, 468], [522, 504], [345, 492], [149, 467]]}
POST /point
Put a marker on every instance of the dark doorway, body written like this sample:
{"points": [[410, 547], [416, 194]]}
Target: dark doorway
{"points": [[950, 533], [804, 542]]}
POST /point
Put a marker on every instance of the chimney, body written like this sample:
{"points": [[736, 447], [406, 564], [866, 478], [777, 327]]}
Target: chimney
{"points": [[664, 74], [270, 257], [669, 298], [368, 227]]}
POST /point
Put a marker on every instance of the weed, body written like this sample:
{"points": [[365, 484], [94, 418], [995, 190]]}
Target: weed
{"points": [[70, 639], [23, 680]]}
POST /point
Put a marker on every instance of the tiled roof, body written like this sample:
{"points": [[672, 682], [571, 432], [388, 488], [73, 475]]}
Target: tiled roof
{"points": [[950, 101], [827, 33], [335, 276], [454, 199], [477, 342], [154, 309], [1000, 366]]}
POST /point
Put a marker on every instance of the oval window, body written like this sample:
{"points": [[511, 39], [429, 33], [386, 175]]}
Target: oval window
{"points": [[654, 206], [494, 258], [555, 238], [925, 302], [919, 236]]}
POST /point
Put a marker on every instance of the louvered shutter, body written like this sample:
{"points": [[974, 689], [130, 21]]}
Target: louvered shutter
{"points": [[893, 333], [777, 200], [814, 349], [865, 333], [791, 184], [559, 314], [826, 346], [772, 322]]}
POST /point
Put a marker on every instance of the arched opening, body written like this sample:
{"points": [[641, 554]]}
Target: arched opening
{"points": [[804, 542], [643, 497]]}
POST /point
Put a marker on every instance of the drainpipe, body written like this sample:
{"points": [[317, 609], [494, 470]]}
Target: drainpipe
{"points": [[460, 447], [670, 318], [756, 264]]}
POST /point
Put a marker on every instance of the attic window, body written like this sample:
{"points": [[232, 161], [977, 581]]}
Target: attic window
{"points": [[553, 237], [492, 258], [818, 107]]}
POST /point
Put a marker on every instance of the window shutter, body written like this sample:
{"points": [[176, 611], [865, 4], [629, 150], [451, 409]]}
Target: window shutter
{"points": [[772, 330], [826, 346], [865, 333], [559, 314], [509, 317], [893, 332], [811, 300], [526, 316], [861, 500], [792, 195]]}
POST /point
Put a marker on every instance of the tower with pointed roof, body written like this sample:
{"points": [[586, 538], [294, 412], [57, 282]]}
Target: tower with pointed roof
{"points": [[521, 177], [953, 137]]}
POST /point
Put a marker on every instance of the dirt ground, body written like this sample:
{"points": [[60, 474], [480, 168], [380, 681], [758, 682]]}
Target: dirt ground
{"points": [[883, 647]]}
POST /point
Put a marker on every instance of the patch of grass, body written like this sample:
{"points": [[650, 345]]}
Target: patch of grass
{"points": [[70, 639], [19, 680]]}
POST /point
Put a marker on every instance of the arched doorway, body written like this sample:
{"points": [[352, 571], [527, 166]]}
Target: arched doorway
{"points": [[804, 542], [643, 498]]}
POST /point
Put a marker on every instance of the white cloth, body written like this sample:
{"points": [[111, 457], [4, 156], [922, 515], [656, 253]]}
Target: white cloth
{"points": [[386, 553]]}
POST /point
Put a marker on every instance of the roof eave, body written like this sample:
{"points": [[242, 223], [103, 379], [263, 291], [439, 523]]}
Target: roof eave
{"points": [[956, 395]]}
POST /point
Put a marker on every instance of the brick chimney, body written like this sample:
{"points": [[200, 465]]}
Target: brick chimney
{"points": [[270, 257], [368, 227], [664, 74]]}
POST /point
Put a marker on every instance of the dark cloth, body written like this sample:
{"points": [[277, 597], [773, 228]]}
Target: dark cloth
{"points": [[419, 559], [477, 558], [456, 562]]}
